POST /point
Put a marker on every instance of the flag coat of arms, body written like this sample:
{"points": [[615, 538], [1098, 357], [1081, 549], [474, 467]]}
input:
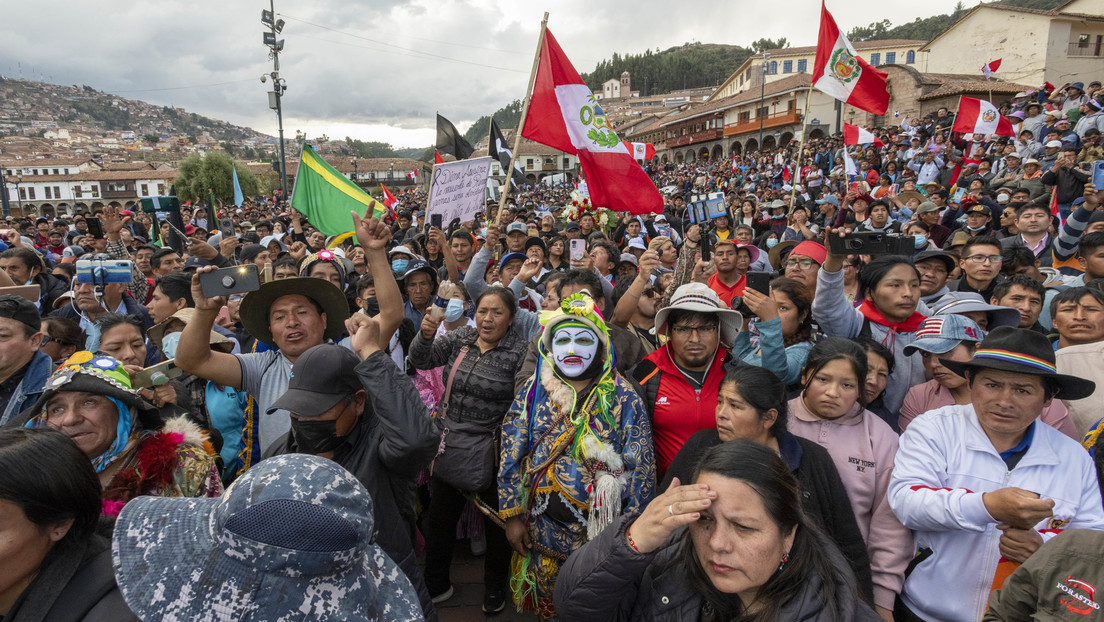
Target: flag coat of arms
{"points": [[977, 116], [641, 151], [325, 196], [838, 71], [565, 115], [855, 135]]}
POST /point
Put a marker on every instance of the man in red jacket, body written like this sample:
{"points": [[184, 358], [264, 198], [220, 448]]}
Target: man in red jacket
{"points": [[679, 381]]}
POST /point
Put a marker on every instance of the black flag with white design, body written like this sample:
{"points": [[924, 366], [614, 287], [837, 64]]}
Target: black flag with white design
{"points": [[500, 150], [450, 141]]}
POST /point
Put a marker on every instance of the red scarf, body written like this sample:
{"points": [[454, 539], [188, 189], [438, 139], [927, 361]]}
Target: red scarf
{"points": [[908, 326]]}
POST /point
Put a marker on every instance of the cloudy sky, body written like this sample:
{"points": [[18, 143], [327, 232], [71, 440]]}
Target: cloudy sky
{"points": [[378, 69]]}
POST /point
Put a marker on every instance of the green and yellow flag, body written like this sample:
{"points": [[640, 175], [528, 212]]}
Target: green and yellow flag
{"points": [[326, 197]]}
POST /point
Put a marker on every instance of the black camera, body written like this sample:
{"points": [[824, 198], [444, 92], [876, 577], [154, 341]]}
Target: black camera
{"points": [[872, 243]]}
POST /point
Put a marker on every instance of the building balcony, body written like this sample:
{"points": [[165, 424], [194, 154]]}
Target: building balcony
{"points": [[1089, 49], [777, 119], [128, 193], [696, 137]]}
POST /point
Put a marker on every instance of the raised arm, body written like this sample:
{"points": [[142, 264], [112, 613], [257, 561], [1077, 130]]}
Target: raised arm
{"points": [[112, 226], [194, 354], [373, 236]]}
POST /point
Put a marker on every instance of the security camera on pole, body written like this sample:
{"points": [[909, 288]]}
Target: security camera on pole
{"points": [[279, 85]]}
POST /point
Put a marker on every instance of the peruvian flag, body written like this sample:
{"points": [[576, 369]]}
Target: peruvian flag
{"points": [[641, 151], [412, 175], [977, 116], [838, 71], [564, 114], [735, 167], [990, 68], [389, 199], [437, 159], [855, 135]]}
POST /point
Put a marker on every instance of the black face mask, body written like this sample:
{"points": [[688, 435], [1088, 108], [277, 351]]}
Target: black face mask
{"points": [[316, 437]]}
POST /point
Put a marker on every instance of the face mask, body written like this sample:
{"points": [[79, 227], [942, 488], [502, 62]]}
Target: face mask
{"points": [[975, 228], [399, 265], [169, 343], [574, 349], [772, 242], [919, 240], [316, 437], [454, 310]]}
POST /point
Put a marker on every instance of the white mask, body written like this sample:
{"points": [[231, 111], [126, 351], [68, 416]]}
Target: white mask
{"points": [[574, 349]]}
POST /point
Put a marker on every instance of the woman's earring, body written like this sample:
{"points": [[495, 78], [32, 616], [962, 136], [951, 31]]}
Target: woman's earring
{"points": [[785, 558]]}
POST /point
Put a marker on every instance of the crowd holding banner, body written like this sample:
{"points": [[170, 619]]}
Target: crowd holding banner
{"points": [[852, 378]]}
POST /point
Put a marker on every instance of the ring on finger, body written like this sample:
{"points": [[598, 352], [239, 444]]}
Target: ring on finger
{"points": [[670, 510]]}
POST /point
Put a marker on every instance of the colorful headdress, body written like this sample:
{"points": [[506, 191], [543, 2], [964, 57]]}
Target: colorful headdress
{"points": [[326, 256], [84, 364]]}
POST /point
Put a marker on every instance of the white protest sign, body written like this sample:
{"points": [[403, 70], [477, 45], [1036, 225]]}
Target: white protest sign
{"points": [[457, 188]]}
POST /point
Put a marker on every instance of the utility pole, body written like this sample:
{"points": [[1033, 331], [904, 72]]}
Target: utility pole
{"points": [[763, 96], [279, 85]]}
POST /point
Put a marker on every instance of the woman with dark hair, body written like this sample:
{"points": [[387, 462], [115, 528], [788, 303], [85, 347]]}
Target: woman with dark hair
{"points": [[879, 367], [63, 338], [752, 405], [557, 254], [53, 564], [890, 287], [747, 552], [784, 329], [830, 412], [478, 363]]}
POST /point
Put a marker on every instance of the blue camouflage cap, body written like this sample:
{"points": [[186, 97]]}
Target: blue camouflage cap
{"points": [[292, 539]]}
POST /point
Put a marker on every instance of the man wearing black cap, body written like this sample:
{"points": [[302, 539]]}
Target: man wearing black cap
{"points": [[934, 267], [25, 267], [984, 484], [23, 367], [365, 414]]}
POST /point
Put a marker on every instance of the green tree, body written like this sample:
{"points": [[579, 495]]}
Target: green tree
{"points": [[370, 149], [870, 32], [197, 176], [152, 139], [765, 44]]}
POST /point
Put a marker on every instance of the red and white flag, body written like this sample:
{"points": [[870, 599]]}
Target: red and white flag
{"points": [[735, 166], [977, 116], [389, 199], [412, 175], [990, 68], [855, 135], [838, 71], [565, 115], [641, 151], [437, 159]]}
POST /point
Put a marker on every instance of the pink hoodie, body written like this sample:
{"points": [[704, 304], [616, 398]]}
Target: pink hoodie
{"points": [[862, 447]]}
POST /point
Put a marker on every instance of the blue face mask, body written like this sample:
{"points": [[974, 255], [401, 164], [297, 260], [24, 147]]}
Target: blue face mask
{"points": [[919, 240], [454, 310], [169, 343], [399, 265], [771, 242]]}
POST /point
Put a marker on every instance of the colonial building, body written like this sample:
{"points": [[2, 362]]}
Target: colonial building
{"points": [[1065, 44]]}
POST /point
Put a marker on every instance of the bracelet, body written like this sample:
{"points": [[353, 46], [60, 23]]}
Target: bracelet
{"points": [[632, 545]]}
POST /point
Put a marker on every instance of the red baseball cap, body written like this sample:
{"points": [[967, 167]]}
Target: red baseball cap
{"points": [[812, 250]]}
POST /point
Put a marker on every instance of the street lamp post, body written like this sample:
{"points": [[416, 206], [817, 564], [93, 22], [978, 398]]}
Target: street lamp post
{"points": [[763, 96], [279, 85], [18, 194], [391, 171], [5, 203]]}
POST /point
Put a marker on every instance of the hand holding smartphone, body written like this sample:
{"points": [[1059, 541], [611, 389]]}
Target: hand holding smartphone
{"points": [[578, 249]]}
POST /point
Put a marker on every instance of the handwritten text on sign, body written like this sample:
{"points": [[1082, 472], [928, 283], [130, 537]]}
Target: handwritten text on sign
{"points": [[456, 190]]}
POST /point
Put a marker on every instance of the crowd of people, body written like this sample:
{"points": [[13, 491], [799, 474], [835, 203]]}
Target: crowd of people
{"points": [[848, 396]]}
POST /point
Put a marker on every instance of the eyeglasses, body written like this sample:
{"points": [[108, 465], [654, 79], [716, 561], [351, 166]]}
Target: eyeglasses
{"points": [[984, 259], [702, 331], [804, 263]]}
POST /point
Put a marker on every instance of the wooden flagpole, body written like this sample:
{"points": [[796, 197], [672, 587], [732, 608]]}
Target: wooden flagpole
{"points": [[521, 122], [801, 147]]}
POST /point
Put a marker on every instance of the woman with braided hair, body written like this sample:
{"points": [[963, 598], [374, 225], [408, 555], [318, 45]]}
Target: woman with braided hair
{"points": [[576, 452]]}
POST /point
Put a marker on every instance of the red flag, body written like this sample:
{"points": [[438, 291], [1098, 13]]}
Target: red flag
{"points": [[437, 159], [855, 135], [735, 168], [838, 71], [641, 151], [977, 116], [1054, 211], [988, 69], [564, 114], [412, 175], [389, 199]]}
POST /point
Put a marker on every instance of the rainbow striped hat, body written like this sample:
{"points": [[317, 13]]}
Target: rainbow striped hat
{"points": [[1022, 351]]}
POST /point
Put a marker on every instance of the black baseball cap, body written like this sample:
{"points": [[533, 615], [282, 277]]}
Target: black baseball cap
{"points": [[21, 310], [321, 377]]}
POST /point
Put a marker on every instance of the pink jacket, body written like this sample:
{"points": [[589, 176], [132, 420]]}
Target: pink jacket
{"points": [[863, 447], [932, 395]]}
